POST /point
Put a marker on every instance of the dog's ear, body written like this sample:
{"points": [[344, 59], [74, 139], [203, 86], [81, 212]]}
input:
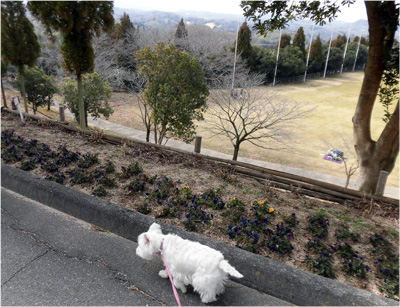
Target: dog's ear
{"points": [[155, 227]]}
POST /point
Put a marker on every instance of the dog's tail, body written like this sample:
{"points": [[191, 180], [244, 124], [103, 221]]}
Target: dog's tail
{"points": [[226, 267]]}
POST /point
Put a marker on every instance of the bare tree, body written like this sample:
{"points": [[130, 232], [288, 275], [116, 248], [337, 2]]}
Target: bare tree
{"points": [[150, 37], [214, 54], [250, 114], [114, 60]]}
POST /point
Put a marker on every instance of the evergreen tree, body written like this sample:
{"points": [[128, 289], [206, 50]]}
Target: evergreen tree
{"points": [[340, 41], [181, 39], [285, 41], [77, 22], [96, 94], [291, 62], [244, 43], [19, 45], [39, 87], [122, 28], [299, 40], [176, 93], [316, 55]]}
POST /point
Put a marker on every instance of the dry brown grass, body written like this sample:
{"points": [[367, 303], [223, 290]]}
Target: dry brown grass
{"points": [[335, 99]]}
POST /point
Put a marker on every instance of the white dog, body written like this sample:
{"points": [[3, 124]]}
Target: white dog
{"points": [[189, 262]]}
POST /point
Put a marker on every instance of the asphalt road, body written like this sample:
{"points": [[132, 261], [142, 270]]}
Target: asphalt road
{"points": [[50, 258]]}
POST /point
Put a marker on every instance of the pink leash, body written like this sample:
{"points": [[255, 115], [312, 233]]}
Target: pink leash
{"points": [[169, 275]]}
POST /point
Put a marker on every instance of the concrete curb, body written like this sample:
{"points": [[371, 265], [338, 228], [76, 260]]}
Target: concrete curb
{"points": [[271, 277]]}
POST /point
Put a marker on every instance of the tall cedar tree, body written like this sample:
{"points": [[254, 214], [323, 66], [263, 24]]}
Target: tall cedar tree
{"points": [[121, 29], [316, 52], [299, 40], [340, 41], [285, 41], [77, 22], [244, 43], [19, 45], [316, 55], [181, 39], [383, 20]]}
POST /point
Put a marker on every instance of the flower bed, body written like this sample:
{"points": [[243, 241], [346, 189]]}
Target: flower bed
{"points": [[319, 236]]}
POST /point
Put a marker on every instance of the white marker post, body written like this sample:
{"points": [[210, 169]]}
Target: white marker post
{"points": [[18, 105]]}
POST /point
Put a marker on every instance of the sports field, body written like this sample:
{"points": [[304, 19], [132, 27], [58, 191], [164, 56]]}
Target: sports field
{"points": [[334, 99]]}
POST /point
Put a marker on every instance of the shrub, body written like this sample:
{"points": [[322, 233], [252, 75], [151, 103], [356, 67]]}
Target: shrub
{"points": [[345, 233], [352, 263], [95, 96], [279, 242], [322, 264], [135, 186], [318, 225], [39, 88], [237, 204], [66, 157], [80, 176], [88, 160], [57, 176], [132, 169], [100, 192], [291, 220]]}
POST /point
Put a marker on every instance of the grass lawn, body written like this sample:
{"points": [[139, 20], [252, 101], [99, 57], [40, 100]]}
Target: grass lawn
{"points": [[334, 98]]}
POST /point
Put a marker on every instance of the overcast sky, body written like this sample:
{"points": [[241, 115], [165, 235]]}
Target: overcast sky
{"points": [[349, 14]]}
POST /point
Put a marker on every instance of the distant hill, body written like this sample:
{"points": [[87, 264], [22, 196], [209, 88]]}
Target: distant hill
{"points": [[228, 22]]}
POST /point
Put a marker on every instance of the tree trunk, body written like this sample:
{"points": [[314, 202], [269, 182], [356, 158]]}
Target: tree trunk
{"points": [[82, 115], [148, 134], [235, 151], [4, 96], [22, 78], [375, 156]]}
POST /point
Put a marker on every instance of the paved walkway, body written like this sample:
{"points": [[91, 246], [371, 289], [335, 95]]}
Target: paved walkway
{"points": [[52, 259], [141, 135]]}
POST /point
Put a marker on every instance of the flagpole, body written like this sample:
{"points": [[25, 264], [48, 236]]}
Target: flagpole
{"points": [[308, 55], [327, 56], [345, 50], [358, 48], [234, 62], [277, 57]]}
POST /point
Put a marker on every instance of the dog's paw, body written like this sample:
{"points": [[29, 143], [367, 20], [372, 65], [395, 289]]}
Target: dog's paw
{"points": [[163, 273], [183, 289]]}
